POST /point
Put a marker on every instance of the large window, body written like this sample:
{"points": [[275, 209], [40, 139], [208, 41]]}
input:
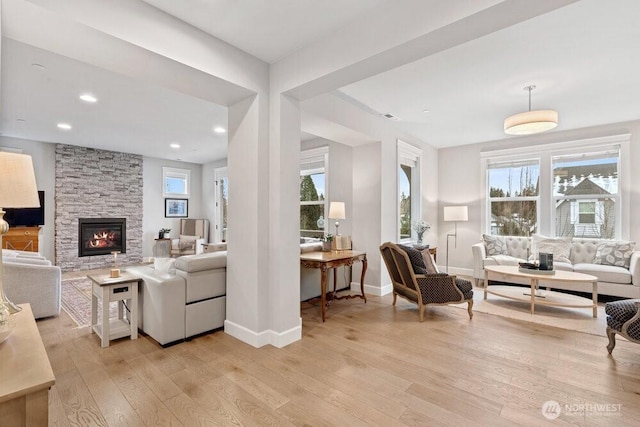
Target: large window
{"points": [[313, 192], [409, 206], [513, 197], [572, 189], [586, 194]]}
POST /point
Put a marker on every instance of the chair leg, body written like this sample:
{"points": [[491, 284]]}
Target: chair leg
{"points": [[395, 295], [421, 310], [470, 308], [611, 333]]}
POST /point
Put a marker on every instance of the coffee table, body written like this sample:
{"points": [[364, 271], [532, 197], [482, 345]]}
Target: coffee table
{"points": [[504, 272]]}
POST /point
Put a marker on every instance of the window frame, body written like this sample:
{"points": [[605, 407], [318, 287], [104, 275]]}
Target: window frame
{"points": [[309, 157], [409, 155], [220, 232], [545, 152], [184, 174]]}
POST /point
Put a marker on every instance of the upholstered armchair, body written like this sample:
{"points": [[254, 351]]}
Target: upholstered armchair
{"points": [[623, 317], [193, 233], [424, 289]]}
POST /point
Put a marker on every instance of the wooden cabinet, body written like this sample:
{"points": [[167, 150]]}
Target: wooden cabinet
{"points": [[21, 239]]}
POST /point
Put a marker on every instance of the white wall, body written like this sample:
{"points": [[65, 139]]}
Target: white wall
{"points": [[460, 184], [153, 200], [43, 156]]}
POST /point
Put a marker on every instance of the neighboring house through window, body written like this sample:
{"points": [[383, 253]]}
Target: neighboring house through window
{"points": [[313, 192]]}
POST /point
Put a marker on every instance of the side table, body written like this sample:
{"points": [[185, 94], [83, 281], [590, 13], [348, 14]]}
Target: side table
{"points": [[108, 290], [162, 248]]}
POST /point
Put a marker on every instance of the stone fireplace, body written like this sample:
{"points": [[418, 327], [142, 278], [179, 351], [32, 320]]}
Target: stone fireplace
{"points": [[101, 236]]}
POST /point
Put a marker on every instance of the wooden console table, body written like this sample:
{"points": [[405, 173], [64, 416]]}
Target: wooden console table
{"points": [[334, 259], [25, 375]]}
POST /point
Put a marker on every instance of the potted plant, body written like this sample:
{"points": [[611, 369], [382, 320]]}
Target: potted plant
{"points": [[164, 233], [326, 242]]}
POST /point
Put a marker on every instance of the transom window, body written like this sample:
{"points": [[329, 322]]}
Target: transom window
{"points": [[176, 182]]}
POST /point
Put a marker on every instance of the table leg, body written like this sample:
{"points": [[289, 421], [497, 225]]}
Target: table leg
{"points": [[486, 282], [335, 282], [120, 310], [534, 285], [364, 270], [105, 317], [94, 308], [133, 311], [323, 290], [595, 299]]}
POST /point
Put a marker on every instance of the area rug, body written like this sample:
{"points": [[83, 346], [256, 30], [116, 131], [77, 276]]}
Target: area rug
{"points": [[575, 319], [76, 301]]}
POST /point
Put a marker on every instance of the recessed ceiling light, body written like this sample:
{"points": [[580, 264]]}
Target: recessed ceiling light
{"points": [[174, 145], [426, 110], [87, 97], [38, 66], [64, 126], [20, 120], [219, 130]]}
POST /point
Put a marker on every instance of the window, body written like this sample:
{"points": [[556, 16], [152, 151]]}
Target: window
{"points": [[175, 182], [222, 203], [313, 192], [513, 197], [570, 189], [586, 195], [409, 206]]}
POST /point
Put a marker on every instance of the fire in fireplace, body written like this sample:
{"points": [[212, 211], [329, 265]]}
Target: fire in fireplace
{"points": [[101, 236]]}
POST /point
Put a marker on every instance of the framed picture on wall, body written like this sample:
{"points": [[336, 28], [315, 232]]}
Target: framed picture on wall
{"points": [[176, 208]]}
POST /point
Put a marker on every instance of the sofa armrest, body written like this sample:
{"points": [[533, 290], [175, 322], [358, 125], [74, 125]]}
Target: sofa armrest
{"points": [[479, 254], [38, 285], [634, 268]]}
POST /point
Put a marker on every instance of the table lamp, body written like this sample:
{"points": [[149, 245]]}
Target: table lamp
{"points": [[336, 211], [455, 214], [17, 190]]}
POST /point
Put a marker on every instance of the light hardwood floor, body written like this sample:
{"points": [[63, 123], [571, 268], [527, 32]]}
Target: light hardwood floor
{"points": [[369, 364]]}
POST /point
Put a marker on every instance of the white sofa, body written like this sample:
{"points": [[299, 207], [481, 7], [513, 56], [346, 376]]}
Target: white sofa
{"points": [[612, 280], [183, 301], [32, 279]]}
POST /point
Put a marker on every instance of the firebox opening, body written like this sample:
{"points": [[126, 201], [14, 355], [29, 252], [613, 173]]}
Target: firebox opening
{"points": [[101, 236]]}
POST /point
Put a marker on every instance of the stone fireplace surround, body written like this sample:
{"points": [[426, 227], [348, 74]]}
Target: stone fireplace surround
{"points": [[93, 183]]}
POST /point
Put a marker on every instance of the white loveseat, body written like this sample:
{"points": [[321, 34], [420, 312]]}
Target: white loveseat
{"points": [[184, 300], [612, 280]]}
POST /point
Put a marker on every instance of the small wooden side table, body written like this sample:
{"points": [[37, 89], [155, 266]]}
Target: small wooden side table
{"points": [[108, 290]]}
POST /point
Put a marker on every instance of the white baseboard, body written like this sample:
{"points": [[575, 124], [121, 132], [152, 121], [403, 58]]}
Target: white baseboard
{"points": [[260, 339], [373, 290]]}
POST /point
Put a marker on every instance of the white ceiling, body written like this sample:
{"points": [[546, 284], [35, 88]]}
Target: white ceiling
{"points": [[584, 59]]}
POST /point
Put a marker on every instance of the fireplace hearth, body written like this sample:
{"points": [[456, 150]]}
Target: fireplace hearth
{"points": [[101, 236]]}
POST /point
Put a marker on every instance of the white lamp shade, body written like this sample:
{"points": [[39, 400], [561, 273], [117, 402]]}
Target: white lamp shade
{"points": [[531, 122], [17, 182], [456, 213], [336, 210]]}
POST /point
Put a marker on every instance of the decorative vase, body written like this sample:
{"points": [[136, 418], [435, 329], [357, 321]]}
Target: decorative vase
{"points": [[420, 233], [7, 321], [326, 246]]}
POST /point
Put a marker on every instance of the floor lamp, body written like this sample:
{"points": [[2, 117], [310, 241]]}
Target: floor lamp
{"points": [[17, 190], [455, 214]]}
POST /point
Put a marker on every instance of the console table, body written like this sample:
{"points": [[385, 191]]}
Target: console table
{"points": [[334, 259], [25, 375], [21, 239]]}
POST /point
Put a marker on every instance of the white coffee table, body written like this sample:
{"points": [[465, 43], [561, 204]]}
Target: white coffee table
{"points": [[504, 272]]}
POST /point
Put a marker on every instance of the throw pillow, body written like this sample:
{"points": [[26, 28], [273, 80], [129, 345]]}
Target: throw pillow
{"points": [[164, 265], [616, 253], [560, 247], [187, 242], [429, 262], [494, 245], [416, 259]]}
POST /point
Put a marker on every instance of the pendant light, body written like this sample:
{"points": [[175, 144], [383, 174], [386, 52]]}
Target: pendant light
{"points": [[531, 122]]}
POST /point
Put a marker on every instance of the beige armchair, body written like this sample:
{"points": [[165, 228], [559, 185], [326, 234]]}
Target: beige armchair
{"points": [[423, 289], [193, 234]]}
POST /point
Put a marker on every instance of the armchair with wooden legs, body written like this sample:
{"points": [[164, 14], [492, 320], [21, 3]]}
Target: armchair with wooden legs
{"points": [[424, 289]]}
